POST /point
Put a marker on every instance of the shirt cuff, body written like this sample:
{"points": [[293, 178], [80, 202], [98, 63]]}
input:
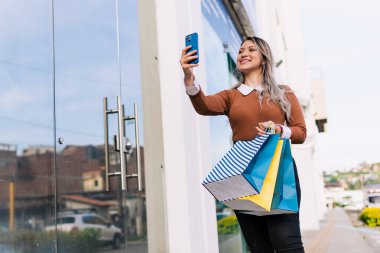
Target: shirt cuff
{"points": [[193, 90], [286, 132]]}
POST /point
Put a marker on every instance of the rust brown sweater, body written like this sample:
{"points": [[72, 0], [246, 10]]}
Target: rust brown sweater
{"points": [[245, 112]]}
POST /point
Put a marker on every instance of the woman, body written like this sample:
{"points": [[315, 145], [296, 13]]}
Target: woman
{"points": [[256, 103]]}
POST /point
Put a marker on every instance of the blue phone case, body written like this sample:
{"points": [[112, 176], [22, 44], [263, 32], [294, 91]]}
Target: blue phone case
{"points": [[192, 39]]}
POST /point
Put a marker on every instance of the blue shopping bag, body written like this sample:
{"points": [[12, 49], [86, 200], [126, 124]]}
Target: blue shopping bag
{"points": [[257, 169], [285, 198], [242, 169], [285, 192]]}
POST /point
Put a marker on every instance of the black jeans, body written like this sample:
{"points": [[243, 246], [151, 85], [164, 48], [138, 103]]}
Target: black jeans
{"points": [[273, 233]]}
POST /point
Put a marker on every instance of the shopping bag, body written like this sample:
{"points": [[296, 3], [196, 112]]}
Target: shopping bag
{"points": [[258, 167], [285, 198], [230, 178], [263, 200]]}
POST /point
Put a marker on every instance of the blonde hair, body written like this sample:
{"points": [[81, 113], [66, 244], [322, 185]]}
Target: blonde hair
{"points": [[269, 85]]}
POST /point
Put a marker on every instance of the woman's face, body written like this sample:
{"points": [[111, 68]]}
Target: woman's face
{"points": [[249, 57]]}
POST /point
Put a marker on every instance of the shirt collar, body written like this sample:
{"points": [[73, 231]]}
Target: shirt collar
{"points": [[245, 89]]}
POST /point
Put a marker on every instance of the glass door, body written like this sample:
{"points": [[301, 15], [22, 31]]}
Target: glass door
{"points": [[100, 207], [26, 127]]}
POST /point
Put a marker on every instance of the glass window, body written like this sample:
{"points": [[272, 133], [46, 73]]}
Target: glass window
{"points": [[38, 107], [222, 25], [67, 220], [27, 125], [220, 65], [93, 220], [89, 219]]}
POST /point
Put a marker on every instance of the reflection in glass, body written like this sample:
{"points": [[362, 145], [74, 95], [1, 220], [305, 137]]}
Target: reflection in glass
{"points": [[89, 218], [26, 127], [87, 71], [219, 76]]}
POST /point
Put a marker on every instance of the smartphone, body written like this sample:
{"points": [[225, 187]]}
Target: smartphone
{"points": [[192, 39]]}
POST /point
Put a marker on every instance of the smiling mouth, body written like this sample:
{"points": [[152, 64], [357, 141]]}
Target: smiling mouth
{"points": [[244, 61]]}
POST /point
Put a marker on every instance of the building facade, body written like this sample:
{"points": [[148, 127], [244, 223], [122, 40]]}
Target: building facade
{"points": [[92, 92]]}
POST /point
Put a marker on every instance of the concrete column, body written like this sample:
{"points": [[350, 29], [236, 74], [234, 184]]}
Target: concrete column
{"points": [[181, 213], [153, 135]]}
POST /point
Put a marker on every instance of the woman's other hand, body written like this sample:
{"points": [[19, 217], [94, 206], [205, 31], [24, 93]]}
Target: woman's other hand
{"points": [[268, 124], [186, 67]]}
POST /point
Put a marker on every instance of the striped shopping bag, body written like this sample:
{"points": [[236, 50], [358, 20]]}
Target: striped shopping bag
{"points": [[230, 179]]}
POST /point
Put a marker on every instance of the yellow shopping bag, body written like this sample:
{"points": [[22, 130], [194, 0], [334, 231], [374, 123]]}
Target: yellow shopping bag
{"points": [[263, 200]]}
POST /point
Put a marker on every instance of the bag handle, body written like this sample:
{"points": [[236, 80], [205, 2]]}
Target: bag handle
{"points": [[271, 129]]}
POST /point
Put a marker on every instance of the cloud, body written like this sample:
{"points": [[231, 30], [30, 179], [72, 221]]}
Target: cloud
{"points": [[14, 98]]}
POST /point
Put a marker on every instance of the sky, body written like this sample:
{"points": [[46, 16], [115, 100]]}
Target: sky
{"points": [[342, 39]]}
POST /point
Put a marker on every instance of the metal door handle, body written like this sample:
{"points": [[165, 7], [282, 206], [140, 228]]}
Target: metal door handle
{"points": [[122, 145], [106, 112], [138, 158], [138, 151], [123, 164]]}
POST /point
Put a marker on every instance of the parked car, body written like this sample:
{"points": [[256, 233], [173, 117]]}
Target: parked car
{"points": [[70, 222]]}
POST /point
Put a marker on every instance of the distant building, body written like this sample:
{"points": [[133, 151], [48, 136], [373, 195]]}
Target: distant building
{"points": [[372, 195], [37, 150], [319, 104], [8, 161], [93, 180], [81, 183], [349, 199]]}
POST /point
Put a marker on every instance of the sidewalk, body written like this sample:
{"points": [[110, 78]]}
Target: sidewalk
{"points": [[337, 234]]}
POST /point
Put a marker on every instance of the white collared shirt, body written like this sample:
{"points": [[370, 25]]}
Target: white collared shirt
{"points": [[245, 90]]}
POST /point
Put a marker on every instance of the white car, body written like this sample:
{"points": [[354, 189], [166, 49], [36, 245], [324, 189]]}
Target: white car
{"points": [[109, 234]]}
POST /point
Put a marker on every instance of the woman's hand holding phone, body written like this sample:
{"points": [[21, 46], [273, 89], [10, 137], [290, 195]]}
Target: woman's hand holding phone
{"points": [[190, 58], [188, 67]]}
